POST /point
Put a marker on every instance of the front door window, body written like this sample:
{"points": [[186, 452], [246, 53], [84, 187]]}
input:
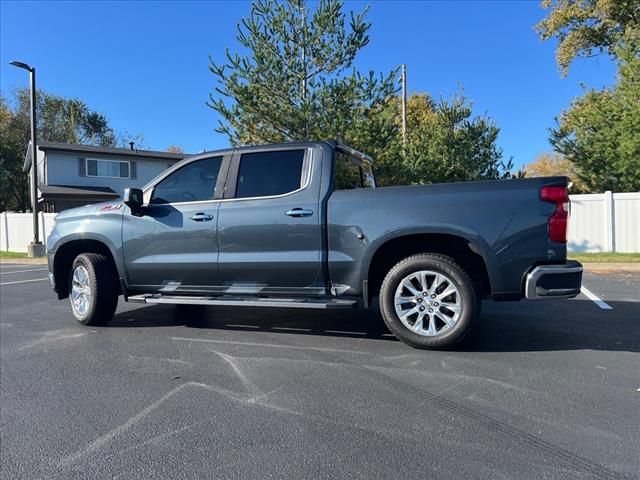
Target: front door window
{"points": [[195, 182]]}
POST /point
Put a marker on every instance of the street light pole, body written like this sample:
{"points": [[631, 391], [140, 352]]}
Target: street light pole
{"points": [[403, 79], [35, 248]]}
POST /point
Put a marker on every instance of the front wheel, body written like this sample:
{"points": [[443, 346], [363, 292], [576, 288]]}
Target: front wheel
{"points": [[428, 301], [93, 290]]}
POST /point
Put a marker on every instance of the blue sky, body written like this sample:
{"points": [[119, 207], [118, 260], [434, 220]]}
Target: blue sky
{"points": [[145, 64]]}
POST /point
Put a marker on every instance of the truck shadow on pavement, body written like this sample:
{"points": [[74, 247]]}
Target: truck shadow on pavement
{"points": [[503, 327]]}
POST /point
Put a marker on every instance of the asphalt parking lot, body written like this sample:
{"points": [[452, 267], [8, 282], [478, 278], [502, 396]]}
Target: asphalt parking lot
{"points": [[543, 390]]}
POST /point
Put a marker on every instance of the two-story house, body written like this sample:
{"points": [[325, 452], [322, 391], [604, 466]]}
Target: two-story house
{"points": [[72, 175]]}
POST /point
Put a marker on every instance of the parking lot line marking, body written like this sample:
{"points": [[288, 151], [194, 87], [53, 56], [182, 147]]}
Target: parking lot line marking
{"points": [[595, 299], [344, 332], [272, 345], [24, 281], [20, 271], [292, 329]]}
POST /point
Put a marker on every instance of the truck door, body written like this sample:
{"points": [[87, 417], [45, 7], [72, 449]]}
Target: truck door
{"points": [[269, 224], [174, 245]]}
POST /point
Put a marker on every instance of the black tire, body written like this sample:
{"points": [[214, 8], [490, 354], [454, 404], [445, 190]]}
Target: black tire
{"points": [[470, 305], [103, 287]]}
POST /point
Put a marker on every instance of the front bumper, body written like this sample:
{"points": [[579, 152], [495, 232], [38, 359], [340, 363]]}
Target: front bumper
{"points": [[554, 281]]}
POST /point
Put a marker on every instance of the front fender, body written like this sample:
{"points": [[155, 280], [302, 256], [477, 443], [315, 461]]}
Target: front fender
{"points": [[105, 229]]}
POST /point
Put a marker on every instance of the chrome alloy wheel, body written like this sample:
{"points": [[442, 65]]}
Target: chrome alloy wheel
{"points": [[428, 303], [80, 291]]}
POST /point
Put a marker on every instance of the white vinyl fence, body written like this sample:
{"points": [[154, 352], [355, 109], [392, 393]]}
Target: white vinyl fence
{"points": [[605, 222], [601, 222], [16, 230]]}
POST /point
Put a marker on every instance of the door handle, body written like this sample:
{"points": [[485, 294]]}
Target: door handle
{"points": [[201, 217], [299, 212]]}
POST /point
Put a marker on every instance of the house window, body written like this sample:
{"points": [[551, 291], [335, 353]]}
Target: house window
{"points": [[107, 168]]}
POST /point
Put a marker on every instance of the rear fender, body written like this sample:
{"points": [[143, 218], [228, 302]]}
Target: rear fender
{"points": [[476, 243]]}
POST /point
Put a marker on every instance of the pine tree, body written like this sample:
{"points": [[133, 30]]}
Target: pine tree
{"points": [[297, 81]]}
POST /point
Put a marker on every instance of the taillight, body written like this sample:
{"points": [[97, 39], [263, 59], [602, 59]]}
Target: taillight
{"points": [[559, 195]]}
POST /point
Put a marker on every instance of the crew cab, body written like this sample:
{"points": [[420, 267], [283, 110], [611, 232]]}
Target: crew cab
{"points": [[302, 225]]}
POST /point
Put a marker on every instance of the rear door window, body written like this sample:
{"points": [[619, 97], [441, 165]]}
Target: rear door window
{"points": [[265, 174]]}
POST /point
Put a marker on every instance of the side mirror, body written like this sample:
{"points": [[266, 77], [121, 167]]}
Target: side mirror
{"points": [[133, 199]]}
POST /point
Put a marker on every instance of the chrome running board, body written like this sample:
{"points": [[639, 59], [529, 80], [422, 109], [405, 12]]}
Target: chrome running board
{"points": [[227, 301]]}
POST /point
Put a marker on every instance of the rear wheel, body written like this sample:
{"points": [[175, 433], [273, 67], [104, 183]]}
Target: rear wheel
{"points": [[93, 289], [429, 301]]}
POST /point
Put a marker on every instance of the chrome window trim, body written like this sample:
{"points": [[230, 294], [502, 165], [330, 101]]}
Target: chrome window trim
{"points": [[186, 161], [150, 187], [306, 175]]}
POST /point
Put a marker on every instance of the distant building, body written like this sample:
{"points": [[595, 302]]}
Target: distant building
{"points": [[72, 175]]}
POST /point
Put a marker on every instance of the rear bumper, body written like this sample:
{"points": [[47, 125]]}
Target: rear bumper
{"points": [[554, 281]]}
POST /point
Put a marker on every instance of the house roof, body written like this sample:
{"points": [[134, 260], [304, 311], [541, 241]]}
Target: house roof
{"points": [[93, 149], [69, 191]]}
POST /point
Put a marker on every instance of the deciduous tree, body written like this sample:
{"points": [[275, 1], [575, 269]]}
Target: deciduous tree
{"points": [[553, 164], [445, 143], [175, 149], [600, 132], [14, 194], [585, 28], [59, 119]]}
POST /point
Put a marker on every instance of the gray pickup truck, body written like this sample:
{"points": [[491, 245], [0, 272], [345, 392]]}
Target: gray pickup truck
{"points": [[303, 225]]}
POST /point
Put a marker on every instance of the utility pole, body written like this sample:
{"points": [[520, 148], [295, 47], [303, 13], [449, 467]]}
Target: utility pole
{"points": [[403, 79], [35, 248]]}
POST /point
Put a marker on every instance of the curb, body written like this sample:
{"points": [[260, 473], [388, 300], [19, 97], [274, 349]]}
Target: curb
{"points": [[23, 261], [611, 267]]}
